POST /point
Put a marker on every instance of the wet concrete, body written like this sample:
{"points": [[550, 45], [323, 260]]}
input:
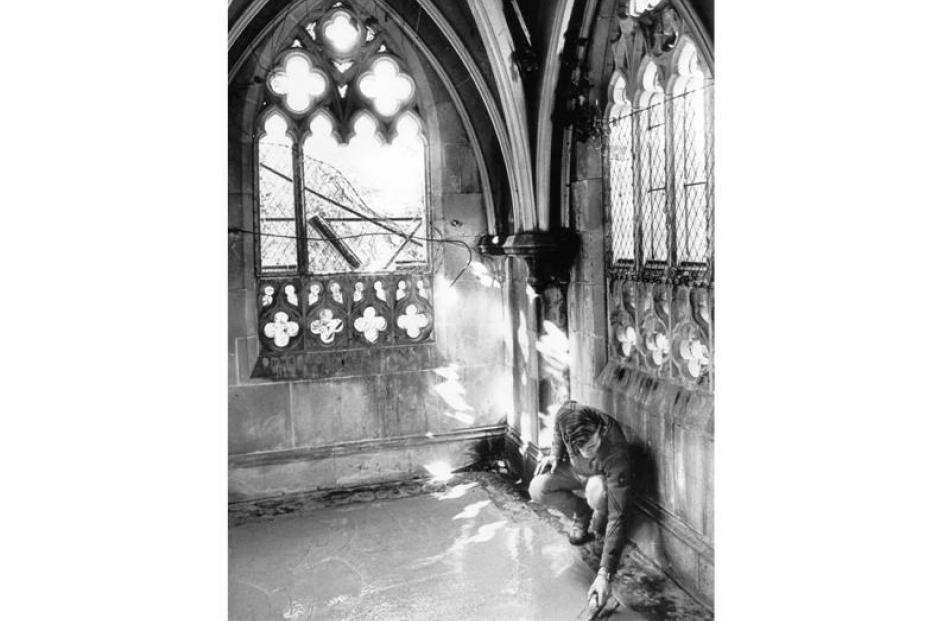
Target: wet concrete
{"points": [[471, 549]]}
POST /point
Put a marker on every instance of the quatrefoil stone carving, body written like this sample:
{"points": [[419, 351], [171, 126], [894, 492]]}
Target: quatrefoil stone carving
{"points": [[281, 329], [327, 326], [413, 321], [298, 82], [340, 33], [628, 340], [658, 346], [386, 86], [370, 324], [696, 355]]}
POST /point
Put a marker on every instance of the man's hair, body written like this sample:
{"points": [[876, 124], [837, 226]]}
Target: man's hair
{"points": [[578, 424]]}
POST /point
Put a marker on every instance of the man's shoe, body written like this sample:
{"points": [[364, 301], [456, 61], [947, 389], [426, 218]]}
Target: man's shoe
{"points": [[579, 534]]}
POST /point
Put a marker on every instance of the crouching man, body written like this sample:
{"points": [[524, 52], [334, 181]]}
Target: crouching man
{"points": [[589, 452]]}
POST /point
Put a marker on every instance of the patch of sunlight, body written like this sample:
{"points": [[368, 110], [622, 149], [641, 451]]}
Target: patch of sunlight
{"points": [[546, 426], [532, 294], [450, 372], [451, 390], [456, 491], [554, 345], [445, 294], [452, 393], [486, 532], [526, 420], [484, 275], [440, 470], [519, 543], [472, 510], [462, 417], [523, 335]]}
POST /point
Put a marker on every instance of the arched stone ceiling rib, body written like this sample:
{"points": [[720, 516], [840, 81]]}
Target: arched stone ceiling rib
{"points": [[246, 18], [550, 71], [460, 107], [490, 18]]}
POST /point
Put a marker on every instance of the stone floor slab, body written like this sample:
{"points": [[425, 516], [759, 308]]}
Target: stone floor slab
{"points": [[459, 553], [472, 548]]}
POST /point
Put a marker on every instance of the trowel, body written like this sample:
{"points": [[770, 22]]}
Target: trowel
{"points": [[593, 610]]}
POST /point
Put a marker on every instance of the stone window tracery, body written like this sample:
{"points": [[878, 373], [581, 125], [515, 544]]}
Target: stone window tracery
{"points": [[341, 216], [690, 157], [670, 116], [651, 177], [341, 156], [659, 200], [620, 155]]}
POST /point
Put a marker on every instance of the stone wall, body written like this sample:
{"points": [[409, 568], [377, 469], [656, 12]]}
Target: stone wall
{"points": [[373, 413], [667, 415], [641, 344]]}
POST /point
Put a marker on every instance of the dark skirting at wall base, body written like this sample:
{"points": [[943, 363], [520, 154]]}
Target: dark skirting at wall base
{"points": [[352, 464]]}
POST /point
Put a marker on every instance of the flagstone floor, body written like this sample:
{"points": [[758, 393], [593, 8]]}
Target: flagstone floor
{"points": [[469, 549]]}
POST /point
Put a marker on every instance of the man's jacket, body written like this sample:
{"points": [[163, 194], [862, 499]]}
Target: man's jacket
{"points": [[612, 461]]}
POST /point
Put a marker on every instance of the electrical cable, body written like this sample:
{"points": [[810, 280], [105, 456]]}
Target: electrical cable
{"points": [[440, 240], [635, 111]]}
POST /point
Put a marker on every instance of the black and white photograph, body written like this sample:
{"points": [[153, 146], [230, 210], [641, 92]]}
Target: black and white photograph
{"points": [[471, 310], [486, 272]]}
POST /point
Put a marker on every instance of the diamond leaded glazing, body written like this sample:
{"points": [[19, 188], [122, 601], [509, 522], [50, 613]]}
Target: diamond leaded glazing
{"points": [[341, 175]]}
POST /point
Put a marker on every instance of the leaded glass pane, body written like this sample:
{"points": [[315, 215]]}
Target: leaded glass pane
{"points": [[689, 129], [620, 154], [365, 200], [652, 178], [276, 197], [278, 246]]}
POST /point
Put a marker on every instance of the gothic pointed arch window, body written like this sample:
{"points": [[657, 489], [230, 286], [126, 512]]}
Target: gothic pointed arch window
{"points": [[620, 157], [671, 151], [276, 189], [341, 156], [651, 170], [692, 159], [342, 212], [661, 293]]}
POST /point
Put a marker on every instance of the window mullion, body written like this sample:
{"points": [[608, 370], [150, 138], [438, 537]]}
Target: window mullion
{"points": [[670, 155], [634, 226], [638, 148], [256, 181], [709, 163], [300, 211]]}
